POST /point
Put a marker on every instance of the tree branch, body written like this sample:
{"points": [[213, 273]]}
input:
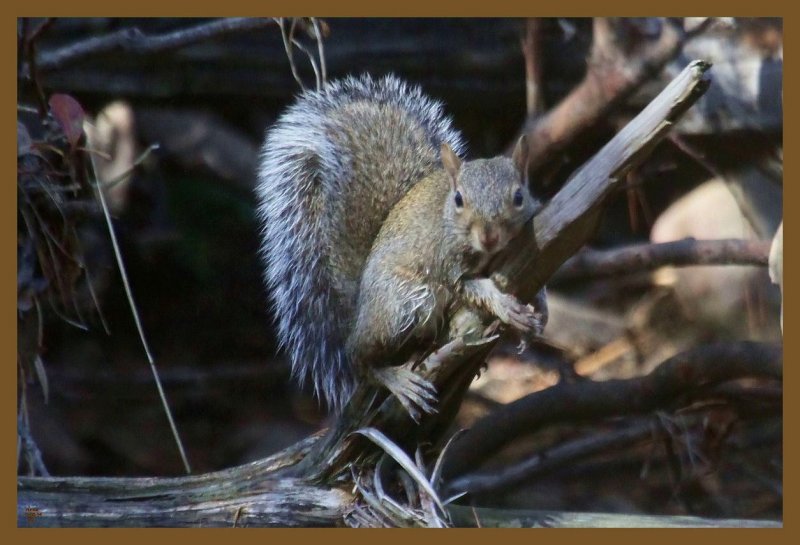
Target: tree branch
{"points": [[532, 52], [613, 75], [570, 218], [680, 253], [256, 494], [585, 401], [133, 40], [557, 456], [621, 436]]}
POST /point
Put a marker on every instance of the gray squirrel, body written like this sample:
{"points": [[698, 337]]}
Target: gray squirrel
{"points": [[372, 227]]}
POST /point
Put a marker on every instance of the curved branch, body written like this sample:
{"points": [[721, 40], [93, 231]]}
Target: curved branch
{"points": [[554, 457], [617, 437], [679, 376], [612, 76]]}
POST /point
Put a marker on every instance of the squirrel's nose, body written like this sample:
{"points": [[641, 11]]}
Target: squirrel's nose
{"points": [[489, 239]]}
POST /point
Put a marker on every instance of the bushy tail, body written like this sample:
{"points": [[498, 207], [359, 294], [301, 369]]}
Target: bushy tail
{"points": [[303, 171]]}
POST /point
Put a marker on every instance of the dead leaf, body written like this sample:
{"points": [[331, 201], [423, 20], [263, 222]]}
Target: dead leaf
{"points": [[70, 115]]}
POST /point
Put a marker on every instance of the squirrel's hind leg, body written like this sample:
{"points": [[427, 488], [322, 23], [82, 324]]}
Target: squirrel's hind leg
{"points": [[414, 392], [395, 309]]}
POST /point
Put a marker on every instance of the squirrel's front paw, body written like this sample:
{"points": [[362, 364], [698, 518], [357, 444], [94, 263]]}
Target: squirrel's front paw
{"points": [[520, 316]]}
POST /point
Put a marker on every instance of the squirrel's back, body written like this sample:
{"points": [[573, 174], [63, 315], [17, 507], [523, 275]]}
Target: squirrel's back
{"points": [[332, 167]]}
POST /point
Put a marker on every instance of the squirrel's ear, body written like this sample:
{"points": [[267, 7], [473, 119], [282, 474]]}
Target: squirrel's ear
{"points": [[520, 156], [451, 162]]}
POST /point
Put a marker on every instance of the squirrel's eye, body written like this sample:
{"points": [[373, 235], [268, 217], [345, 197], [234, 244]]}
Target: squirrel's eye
{"points": [[459, 200], [518, 198]]}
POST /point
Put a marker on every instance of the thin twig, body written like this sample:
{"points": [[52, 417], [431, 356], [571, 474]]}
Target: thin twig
{"points": [[27, 444], [320, 50], [122, 177], [287, 46], [317, 75], [696, 155], [701, 27], [50, 265], [89, 283]]}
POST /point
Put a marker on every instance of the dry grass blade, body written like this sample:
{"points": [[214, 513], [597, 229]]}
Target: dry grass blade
{"points": [[135, 313], [41, 374], [437, 468], [401, 458]]}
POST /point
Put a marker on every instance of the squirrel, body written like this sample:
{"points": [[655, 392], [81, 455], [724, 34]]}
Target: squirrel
{"points": [[372, 226]]}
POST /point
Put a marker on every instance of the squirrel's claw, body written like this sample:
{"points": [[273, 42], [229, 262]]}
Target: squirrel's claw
{"points": [[414, 392], [522, 317]]}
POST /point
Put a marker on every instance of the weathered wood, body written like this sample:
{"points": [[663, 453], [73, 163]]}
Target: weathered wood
{"points": [[570, 217], [255, 494], [143, 502], [126, 503]]}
